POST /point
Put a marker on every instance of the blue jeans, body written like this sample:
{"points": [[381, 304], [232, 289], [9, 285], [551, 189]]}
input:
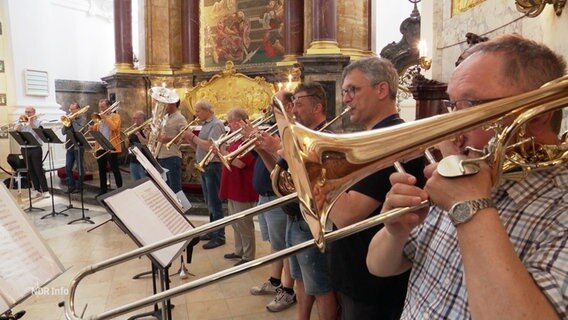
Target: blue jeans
{"points": [[137, 171], [273, 225], [71, 156], [210, 182], [173, 164], [310, 264]]}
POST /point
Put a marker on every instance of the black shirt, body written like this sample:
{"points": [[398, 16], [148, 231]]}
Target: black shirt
{"points": [[347, 256]]}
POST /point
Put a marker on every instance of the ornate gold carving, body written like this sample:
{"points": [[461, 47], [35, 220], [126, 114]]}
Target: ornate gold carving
{"points": [[533, 8], [231, 89], [459, 6]]}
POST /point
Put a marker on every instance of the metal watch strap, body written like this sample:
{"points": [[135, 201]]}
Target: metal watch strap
{"points": [[459, 216]]}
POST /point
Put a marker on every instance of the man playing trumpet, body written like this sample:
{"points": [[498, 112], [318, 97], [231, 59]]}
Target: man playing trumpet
{"points": [[211, 129]]}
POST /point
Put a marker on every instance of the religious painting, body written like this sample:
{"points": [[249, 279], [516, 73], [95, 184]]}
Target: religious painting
{"points": [[1, 66], [3, 99], [248, 33], [459, 6]]}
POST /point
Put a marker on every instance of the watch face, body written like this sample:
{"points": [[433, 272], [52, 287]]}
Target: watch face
{"points": [[461, 213]]}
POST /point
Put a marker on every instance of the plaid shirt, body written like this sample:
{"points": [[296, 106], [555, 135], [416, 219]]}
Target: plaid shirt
{"points": [[535, 214]]}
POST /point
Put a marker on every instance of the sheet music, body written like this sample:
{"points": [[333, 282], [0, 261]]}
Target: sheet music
{"points": [[26, 262], [157, 177], [150, 217]]}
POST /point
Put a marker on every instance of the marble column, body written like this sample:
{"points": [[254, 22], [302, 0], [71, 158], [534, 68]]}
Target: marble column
{"points": [[293, 30], [123, 36], [324, 28], [190, 35]]}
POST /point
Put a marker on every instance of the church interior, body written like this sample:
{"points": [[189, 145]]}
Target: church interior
{"points": [[232, 53]]}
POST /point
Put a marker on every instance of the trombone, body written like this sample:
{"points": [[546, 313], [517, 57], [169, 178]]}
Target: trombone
{"points": [[66, 120], [358, 153], [25, 118], [97, 117], [175, 140], [245, 148]]}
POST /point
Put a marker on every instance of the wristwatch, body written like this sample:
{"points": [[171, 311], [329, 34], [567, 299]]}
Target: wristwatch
{"points": [[463, 211]]}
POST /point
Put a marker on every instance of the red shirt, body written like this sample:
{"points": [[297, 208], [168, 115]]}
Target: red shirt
{"points": [[236, 184]]}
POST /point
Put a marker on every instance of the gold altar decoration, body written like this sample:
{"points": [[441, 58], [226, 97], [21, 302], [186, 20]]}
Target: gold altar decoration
{"points": [[459, 6], [231, 89]]}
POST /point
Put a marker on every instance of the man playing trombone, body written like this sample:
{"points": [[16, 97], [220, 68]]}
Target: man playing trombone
{"points": [[369, 88], [484, 251], [109, 127], [33, 154], [71, 155]]}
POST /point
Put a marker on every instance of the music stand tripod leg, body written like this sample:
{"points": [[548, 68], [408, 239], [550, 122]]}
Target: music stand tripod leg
{"points": [[53, 212], [83, 217]]}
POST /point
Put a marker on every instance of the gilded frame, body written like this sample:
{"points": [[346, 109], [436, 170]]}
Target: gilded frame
{"points": [[459, 6]]}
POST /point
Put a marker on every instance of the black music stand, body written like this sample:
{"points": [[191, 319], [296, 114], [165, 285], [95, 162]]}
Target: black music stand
{"points": [[80, 143], [24, 138], [49, 137]]}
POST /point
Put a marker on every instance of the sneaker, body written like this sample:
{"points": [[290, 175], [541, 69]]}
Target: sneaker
{"points": [[232, 255], [265, 288], [214, 243], [281, 301]]}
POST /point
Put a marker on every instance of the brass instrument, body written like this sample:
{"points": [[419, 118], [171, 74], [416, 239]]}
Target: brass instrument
{"points": [[66, 120], [245, 148], [162, 96], [359, 156], [176, 140], [133, 128], [97, 117], [227, 139], [25, 118], [281, 180]]}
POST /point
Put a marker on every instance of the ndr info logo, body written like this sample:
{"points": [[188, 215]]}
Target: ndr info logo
{"points": [[49, 291]]}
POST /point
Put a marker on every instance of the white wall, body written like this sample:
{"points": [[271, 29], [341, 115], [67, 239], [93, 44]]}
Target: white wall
{"points": [[70, 39]]}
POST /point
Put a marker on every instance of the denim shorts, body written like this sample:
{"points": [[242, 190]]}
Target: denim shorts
{"points": [[273, 225], [308, 265]]}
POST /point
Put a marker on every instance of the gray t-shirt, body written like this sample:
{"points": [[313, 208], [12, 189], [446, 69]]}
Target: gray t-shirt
{"points": [[212, 128]]}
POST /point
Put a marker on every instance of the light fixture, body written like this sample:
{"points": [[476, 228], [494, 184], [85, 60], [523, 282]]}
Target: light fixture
{"points": [[423, 60]]}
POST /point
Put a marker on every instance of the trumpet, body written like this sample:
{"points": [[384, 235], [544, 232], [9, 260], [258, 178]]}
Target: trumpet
{"points": [[245, 148], [358, 152], [227, 139], [175, 140], [66, 120]]}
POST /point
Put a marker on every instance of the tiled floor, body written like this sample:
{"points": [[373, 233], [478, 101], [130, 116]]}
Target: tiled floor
{"points": [[77, 248]]}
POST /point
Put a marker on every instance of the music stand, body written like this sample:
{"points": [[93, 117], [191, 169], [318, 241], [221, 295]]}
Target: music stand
{"points": [[49, 137], [24, 138], [80, 142]]}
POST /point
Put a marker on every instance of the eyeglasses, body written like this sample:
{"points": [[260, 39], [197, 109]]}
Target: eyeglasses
{"points": [[465, 103], [295, 98], [351, 91]]}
